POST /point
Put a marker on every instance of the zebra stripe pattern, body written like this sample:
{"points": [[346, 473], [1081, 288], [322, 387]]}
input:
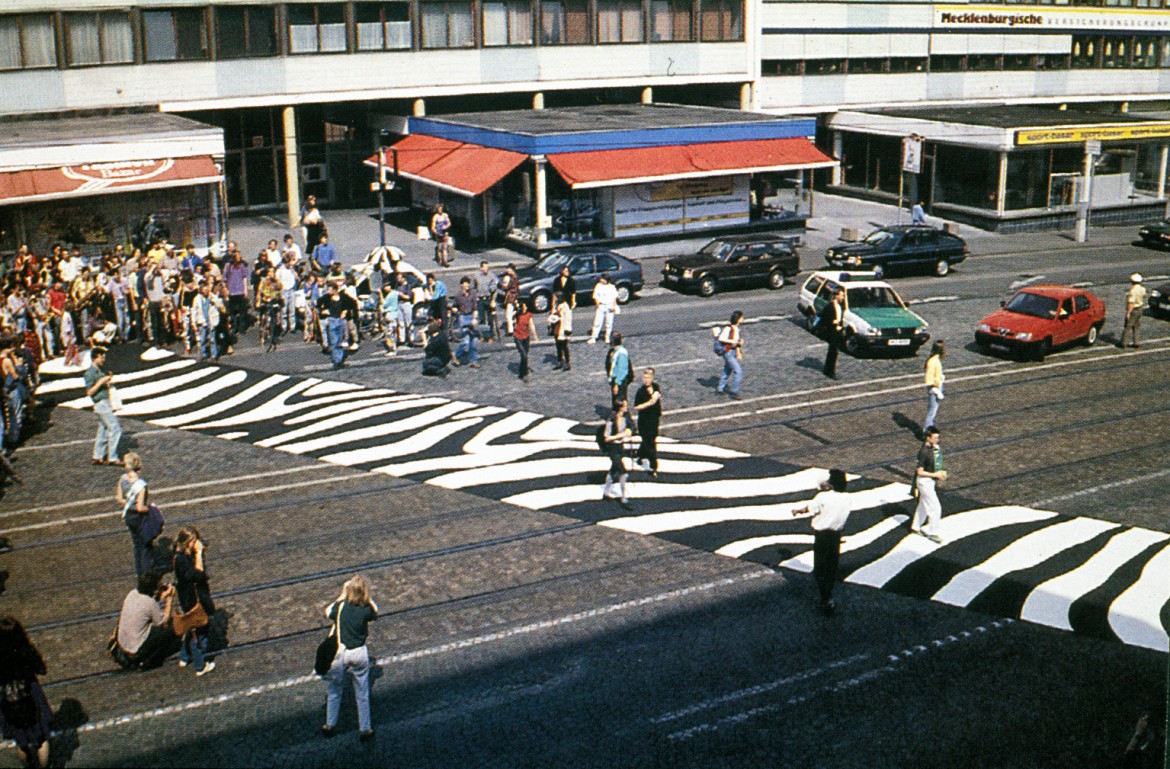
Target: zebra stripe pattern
{"points": [[1094, 577]]}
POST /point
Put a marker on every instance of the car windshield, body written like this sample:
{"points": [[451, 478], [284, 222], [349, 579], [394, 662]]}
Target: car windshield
{"points": [[718, 249], [878, 237], [1033, 304], [872, 296], [553, 263]]}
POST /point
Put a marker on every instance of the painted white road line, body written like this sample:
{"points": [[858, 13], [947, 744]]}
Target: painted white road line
{"points": [[1025, 281], [559, 467], [933, 300], [224, 405], [750, 320], [1134, 616], [804, 561], [1103, 487], [656, 366], [88, 441]]}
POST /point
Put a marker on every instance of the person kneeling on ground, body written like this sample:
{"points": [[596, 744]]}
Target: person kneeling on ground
{"points": [[437, 353], [144, 637]]}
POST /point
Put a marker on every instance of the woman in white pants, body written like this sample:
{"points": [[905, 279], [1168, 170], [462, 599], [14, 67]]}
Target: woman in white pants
{"points": [[352, 613]]}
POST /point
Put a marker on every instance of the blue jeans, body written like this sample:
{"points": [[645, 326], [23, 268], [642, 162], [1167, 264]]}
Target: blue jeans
{"points": [[335, 332], [469, 344], [123, 318], [356, 662], [207, 343], [143, 553], [105, 445], [290, 309], [931, 409], [732, 369], [194, 648]]}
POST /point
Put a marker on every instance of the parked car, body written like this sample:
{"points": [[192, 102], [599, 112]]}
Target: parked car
{"points": [[903, 248], [735, 262], [876, 318], [1160, 301], [1038, 319], [1156, 235], [586, 265]]}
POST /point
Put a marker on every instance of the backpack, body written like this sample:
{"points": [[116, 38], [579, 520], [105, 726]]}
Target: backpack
{"points": [[716, 346], [18, 706]]}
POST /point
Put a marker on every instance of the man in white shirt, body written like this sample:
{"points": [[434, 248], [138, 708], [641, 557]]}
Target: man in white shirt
{"points": [[287, 277], [605, 300], [829, 510], [291, 248], [70, 267]]}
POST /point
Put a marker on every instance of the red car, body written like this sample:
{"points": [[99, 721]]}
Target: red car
{"points": [[1040, 318]]}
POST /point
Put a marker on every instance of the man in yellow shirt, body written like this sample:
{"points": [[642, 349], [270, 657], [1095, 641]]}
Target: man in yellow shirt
{"points": [[1135, 305], [934, 382]]}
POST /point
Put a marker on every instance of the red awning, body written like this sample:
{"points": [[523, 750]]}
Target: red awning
{"points": [[465, 169], [603, 168], [35, 184]]}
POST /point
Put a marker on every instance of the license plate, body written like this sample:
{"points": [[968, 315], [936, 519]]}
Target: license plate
{"points": [[670, 278], [899, 343]]}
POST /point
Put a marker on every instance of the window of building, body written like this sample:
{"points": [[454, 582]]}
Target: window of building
{"points": [[824, 66], [507, 22], [382, 25], [1018, 61], [564, 22], [782, 67], [867, 66], [447, 25], [1164, 58], [316, 27], [99, 38], [984, 62], [178, 34], [1049, 61], [27, 42], [671, 20], [1145, 52], [721, 20], [1115, 53], [908, 64], [1084, 52], [948, 63], [244, 31], [619, 21]]}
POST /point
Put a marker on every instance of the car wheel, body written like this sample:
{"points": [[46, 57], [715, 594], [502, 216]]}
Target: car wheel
{"points": [[1091, 337], [708, 286], [1043, 350], [853, 345], [775, 279], [942, 268], [541, 301], [624, 294]]}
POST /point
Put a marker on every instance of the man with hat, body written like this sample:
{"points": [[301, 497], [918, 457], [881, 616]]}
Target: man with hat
{"points": [[829, 510], [1135, 305]]}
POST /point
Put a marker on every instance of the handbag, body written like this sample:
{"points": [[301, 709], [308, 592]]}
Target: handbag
{"points": [[327, 649], [152, 524], [195, 617]]}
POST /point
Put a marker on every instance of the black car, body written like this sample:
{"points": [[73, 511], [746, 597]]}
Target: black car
{"points": [[735, 262], [586, 266], [1156, 234], [904, 248], [1160, 301]]}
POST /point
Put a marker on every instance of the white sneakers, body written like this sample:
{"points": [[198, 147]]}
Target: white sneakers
{"points": [[210, 666]]}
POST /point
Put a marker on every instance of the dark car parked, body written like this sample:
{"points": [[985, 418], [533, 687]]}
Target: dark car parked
{"points": [[735, 262], [903, 248], [1156, 234], [586, 266]]}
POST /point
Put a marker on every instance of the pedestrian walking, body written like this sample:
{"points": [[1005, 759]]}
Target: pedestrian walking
{"points": [[918, 214], [334, 312], [440, 231], [829, 510], [560, 326], [132, 495], [352, 613], [934, 379], [466, 304], [313, 224], [97, 387], [730, 341], [143, 639], [927, 475], [614, 434], [619, 369], [437, 291], [1135, 305], [566, 285], [524, 334], [26, 717], [605, 300], [192, 586], [648, 404], [832, 320], [486, 285]]}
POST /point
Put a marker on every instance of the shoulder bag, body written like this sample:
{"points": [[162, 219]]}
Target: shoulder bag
{"points": [[327, 649], [195, 617]]}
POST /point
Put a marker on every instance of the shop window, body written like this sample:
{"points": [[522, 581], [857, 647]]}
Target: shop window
{"points": [[782, 67], [244, 32], [1164, 56], [316, 27], [907, 64], [966, 176], [27, 42], [1115, 53], [1084, 52], [866, 66], [507, 23], [721, 20], [1018, 61], [179, 34], [99, 38], [382, 26], [564, 22], [984, 62], [1050, 61], [1145, 52], [619, 21], [824, 66], [671, 20], [948, 63], [447, 25]]}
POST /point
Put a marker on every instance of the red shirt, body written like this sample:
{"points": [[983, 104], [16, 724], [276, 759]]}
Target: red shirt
{"points": [[523, 325], [56, 301]]}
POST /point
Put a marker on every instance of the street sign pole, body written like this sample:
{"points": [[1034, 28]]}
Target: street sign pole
{"points": [[382, 195], [1092, 150]]}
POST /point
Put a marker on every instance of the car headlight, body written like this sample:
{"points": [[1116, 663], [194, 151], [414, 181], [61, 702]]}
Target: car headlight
{"points": [[870, 332], [854, 260], [920, 330], [688, 273], [1023, 336], [985, 327]]}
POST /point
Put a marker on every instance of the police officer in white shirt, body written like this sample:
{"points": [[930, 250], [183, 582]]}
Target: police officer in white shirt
{"points": [[830, 510], [605, 297]]}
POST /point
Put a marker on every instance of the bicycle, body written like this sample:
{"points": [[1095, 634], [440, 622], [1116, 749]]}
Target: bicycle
{"points": [[269, 325]]}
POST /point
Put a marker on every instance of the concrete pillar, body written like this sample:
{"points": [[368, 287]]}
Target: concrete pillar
{"points": [[647, 95], [745, 97], [538, 100], [838, 148], [1163, 158], [541, 193], [1086, 200], [292, 166], [419, 108], [1001, 190]]}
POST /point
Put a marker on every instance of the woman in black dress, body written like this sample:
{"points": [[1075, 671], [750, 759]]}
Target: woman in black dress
{"points": [[25, 715], [191, 585]]}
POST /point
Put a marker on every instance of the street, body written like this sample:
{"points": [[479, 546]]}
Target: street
{"points": [[682, 633]]}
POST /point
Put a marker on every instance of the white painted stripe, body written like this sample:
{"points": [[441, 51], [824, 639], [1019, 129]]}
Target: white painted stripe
{"points": [[234, 436], [156, 353], [804, 561], [175, 400], [1134, 616], [1103, 487], [1027, 281], [223, 405], [954, 528], [276, 408], [148, 389], [87, 441], [656, 366], [744, 546], [330, 387], [1024, 553], [363, 399], [745, 321], [1049, 603], [411, 444], [346, 411], [445, 410], [553, 468], [932, 300]]}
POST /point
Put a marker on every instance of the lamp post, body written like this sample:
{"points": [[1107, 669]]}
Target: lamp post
{"points": [[383, 183]]}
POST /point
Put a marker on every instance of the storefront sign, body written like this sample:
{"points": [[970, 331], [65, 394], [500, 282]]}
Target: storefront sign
{"points": [[693, 188], [1072, 19], [93, 178], [681, 205], [912, 154], [1079, 134], [113, 173]]}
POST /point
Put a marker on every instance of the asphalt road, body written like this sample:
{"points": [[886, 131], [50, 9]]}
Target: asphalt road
{"points": [[518, 637]]}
